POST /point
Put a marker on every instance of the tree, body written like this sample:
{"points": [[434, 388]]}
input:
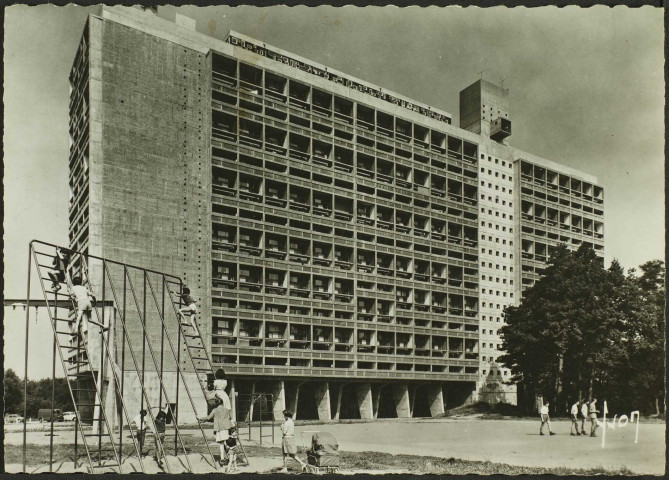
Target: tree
{"points": [[582, 331], [13, 392]]}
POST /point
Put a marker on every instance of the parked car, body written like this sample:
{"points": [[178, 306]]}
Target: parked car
{"points": [[69, 416], [44, 415], [13, 418]]}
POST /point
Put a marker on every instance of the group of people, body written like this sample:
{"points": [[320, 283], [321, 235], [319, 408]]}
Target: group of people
{"points": [[580, 412]]}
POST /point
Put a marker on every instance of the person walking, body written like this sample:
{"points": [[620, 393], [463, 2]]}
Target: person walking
{"points": [[288, 445], [574, 419], [584, 415], [545, 419], [594, 423]]}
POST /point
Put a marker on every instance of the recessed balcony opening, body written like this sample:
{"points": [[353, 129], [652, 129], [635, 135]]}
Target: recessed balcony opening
{"points": [[343, 160], [322, 287], [224, 182], [366, 306], [438, 141], [343, 257], [403, 176], [404, 221], [454, 190], [421, 181], [299, 94], [540, 252], [385, 124], [539, 175], [250, 278], [403, 130], [299, 337], [322, 153], [565, 183], [322, 254], [366, 261], [322, 204], [250, 187], [299, 198], [250, 241], [343, 339], [275, 86], [471, 237], [470, 151], [365, 341], [365, 117], [527, 249], [250, 79], [224, 69], [344, 290], [454, 233], [322, 339], [403, 297], [384, 262], [250, 133], [455, 147], [321, 102], [455, 304], [471, 307], [276, 246], [300, 285], [275, 140], [526, 171], [470, 194], [598, 194], [275, 281], [343, 208], [386, 343], [551, 180], [224, 275], [438, 186], [439, 346], [365, 165], [385, 217], [223, 126], [455, 276], [422, 268], [575, 187], [422, 345], [403, 344], [384, 171], [343, 110], [275, 193], [224, 237], [275, 334], [365, 213], [299, 147], [403, 267], [421, 135], [421, 225]]}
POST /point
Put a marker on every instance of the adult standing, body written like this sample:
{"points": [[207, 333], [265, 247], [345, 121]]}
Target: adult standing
{"points": [[584, 415], [574, 419], [592, 411]]}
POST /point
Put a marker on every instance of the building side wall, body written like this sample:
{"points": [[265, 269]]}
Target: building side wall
{"points": [[152, 164]]}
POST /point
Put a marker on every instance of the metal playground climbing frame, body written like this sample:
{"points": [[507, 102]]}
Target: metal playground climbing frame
{"points": [[145, 357]]}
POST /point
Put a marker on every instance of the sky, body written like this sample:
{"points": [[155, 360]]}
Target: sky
{"points": [[586, 90]]}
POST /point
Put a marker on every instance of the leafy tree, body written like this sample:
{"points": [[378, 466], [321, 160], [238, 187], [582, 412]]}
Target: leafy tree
{"points": [[13, 392], [584, 331]]}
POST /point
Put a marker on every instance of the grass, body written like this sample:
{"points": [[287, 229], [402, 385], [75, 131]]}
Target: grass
{"points": [[359, 461]]}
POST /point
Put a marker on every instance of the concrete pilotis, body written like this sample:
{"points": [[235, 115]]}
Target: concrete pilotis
{"points": [[322, 395], [435, 398], [233, 400], [363, 394], [402, 404], [279, 398]]}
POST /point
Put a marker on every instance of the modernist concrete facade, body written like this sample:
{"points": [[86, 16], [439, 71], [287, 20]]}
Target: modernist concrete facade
{"points": [[351, 250]]}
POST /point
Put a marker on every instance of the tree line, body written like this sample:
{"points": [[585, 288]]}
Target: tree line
{"points": [[39, 394], [583, 331]]}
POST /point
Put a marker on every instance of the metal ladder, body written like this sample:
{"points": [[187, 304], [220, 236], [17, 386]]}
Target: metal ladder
{"points": [[82, 357]]}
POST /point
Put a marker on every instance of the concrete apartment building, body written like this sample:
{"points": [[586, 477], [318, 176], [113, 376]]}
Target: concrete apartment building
{"points": [[351, 250]]}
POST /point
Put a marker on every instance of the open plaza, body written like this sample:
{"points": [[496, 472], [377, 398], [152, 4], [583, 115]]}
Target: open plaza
{"points": [[505, 441]]}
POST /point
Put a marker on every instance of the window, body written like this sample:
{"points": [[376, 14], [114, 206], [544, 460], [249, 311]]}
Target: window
{"points": [[510, 178], [503, 177], [483, 184], [482, 170], [503, 163], [510, 191], [497, 160], [510, 204]]}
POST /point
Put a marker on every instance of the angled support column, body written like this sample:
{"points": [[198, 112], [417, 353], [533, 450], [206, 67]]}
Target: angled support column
{"points": [[435, 398], [402, 403], [363, 395], [322, 395], [279, 397]]}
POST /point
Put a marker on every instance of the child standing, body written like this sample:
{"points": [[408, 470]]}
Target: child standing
{"points": [[231, 449], [574, 418], [222, 424], [288, 445], [159, 436]]}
